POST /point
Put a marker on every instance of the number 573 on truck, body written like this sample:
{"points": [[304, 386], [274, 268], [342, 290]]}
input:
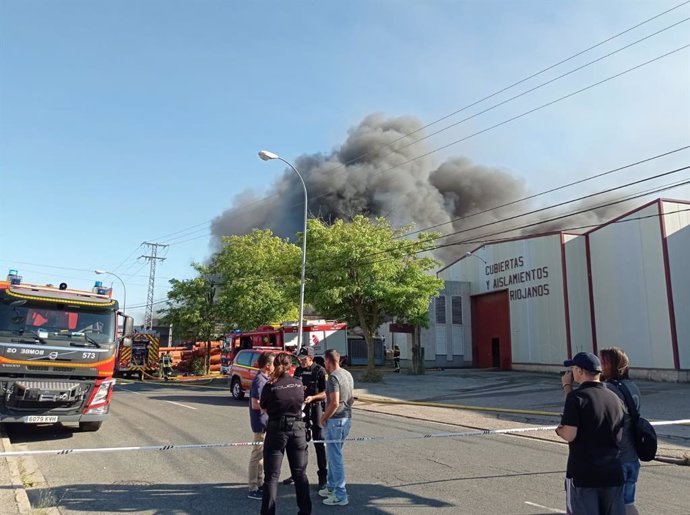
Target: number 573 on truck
{"points": [[57, 353]]}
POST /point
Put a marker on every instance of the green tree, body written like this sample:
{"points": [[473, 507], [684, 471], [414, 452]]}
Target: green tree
{"points": [[362, 272], [191, 308], [258, 275]]}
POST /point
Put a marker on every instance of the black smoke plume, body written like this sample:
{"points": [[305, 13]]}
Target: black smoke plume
{"points": [[379, 172]]}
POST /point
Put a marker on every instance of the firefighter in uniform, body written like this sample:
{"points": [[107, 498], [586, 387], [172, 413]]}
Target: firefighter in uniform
{"points": [[285, 433], [166, 365]]}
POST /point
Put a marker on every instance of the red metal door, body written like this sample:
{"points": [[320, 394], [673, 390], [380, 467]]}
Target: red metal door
{"points": [[491, 330]]}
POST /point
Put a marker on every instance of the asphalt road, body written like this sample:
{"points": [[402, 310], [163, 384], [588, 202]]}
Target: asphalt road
{"points": [[478, 475]]}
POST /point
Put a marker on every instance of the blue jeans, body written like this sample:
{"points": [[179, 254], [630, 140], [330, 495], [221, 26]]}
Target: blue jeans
{"points": [[631, 471], [336, 429]]}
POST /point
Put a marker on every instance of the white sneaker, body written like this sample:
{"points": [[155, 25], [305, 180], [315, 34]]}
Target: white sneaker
{"points": [[334, 501], [326, 492]]}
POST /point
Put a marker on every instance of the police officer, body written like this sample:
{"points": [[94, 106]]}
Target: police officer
{"points": [[313, 378], [285, 432]]}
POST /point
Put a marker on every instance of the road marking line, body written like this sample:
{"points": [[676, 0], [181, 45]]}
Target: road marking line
{"points": [[554, 510], [183, 405]]}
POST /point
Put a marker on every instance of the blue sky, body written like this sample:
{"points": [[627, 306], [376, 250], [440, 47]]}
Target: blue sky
{"points": [[130, 121]]}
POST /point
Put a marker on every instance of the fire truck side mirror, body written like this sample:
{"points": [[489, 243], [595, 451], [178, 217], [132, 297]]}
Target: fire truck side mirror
{"points": [[128, 328], [126, 342]]}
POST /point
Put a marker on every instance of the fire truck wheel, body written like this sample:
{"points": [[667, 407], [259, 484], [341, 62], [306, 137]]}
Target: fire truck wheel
{"points": [[90, 426], [236, 389]]}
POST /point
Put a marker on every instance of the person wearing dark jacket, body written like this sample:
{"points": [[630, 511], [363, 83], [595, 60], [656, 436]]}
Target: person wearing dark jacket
{"points": [[615, 365], [313, 377], [282, 399]]}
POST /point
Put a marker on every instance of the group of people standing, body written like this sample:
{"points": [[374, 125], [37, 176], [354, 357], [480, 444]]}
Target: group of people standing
{"points": [[603, 465], [288, 411]]}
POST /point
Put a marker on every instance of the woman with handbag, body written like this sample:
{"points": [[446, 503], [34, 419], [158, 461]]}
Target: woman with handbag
{"points": [[615, 366]]}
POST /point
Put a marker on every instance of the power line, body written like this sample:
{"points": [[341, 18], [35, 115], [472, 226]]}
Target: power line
{"points": [[552, 206], [545, 192], [156, 302], [45, 265], [190, 227], [547, 104], [521, 81], [445, 117], [539, 86], [504, 122], [532, 224], [590, 226], [133, 252], [582, 211]]}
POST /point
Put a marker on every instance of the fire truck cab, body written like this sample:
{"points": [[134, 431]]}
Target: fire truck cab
{"points": [[57, 353]]}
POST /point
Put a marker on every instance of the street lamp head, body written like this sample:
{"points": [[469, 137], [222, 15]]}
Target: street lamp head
{"points": [[470, 254], [265, 155], [100, 272]]}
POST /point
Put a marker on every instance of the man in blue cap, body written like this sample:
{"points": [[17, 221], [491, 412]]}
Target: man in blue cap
{"points": [[591, 423]]}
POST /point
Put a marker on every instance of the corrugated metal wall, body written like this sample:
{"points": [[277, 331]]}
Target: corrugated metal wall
{"points": [[677, 228], [629, 289], [625, 283], [578, 294]]}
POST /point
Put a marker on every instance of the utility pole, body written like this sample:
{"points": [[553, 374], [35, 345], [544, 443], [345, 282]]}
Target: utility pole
{"points": [[153, 258]]}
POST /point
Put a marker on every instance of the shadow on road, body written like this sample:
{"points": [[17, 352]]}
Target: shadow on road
{"points": [[179, 499], [27, 433]]}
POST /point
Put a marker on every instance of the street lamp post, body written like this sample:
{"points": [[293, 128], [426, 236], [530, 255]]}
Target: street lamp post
{"points": [[124, 288], [265, 155]]}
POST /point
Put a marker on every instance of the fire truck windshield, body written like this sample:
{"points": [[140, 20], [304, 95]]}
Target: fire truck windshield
{"points": [[56, 322]]}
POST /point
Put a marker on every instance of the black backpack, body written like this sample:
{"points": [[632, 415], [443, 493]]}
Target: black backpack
{"points": [[643, 431]]}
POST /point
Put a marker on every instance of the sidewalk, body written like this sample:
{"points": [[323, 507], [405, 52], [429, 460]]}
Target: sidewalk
{"points": [[13, 498], [488, 399]]}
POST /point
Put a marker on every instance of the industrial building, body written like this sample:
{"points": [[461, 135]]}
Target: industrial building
{"points": [[529, 303]]}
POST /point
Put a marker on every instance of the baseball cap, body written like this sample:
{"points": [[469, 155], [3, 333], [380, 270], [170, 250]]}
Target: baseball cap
{"points": [[586, 361], [306, 351]]}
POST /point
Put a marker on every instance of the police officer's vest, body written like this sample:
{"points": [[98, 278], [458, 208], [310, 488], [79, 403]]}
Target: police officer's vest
{"points": [[310, 378]]}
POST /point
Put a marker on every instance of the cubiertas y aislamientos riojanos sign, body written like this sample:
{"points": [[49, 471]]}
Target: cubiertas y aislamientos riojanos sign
{"points": [[522, 282]]}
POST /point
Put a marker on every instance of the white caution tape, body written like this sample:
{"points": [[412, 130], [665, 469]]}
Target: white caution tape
{"points": [[169, 447]]}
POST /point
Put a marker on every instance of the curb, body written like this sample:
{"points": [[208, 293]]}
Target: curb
{"points": [[20, 495], [374, 399]]}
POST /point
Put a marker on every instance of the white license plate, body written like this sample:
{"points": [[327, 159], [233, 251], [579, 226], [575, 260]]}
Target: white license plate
{"points": [[39, 419]]}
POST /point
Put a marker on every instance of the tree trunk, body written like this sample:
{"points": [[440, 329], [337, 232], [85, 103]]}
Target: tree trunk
{"points": [[369, 339], [417, 352], [371, 355], [207, 359]]}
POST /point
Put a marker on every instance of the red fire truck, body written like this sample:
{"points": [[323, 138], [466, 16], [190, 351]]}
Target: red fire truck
{"points": [[141, 357], [318, 334], [57, 353]]}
